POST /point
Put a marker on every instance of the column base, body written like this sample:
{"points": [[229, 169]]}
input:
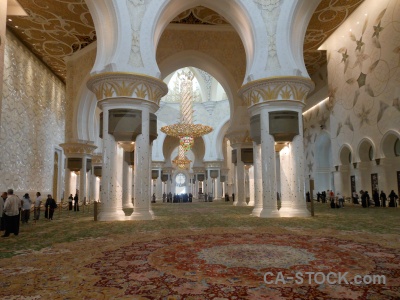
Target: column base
{"points": [[239, 203], [129, 205], [269, 213], [142, 216], [117, 215], [294, 212], [256, 211], [251, 203]]}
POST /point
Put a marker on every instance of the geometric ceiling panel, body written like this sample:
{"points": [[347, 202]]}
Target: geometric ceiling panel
{"points": [[55, 29]]}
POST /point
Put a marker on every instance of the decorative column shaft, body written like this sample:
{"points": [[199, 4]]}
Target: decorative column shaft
{"points": [[268, 169], [3, 23], [67, 188], [251, 186], [111, 208], [258, 204], [240, 194], [142, 175], [127, 186], [286, 181]]}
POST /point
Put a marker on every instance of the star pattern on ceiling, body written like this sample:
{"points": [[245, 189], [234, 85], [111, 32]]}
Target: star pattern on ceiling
{"points": [[361, 79], [377, 30], [55, 29]]}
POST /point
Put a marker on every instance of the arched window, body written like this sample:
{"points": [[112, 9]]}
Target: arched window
{"points": [[180, 180], [371, 153], [397, 148]]}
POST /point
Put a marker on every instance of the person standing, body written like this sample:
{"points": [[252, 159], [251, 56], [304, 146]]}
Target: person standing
{"points": [[12, 208], [50, 206], [26, 208], [70, 199], [2, 200], [383, 198], [375, 197], [38, 202], [76, 203], [392, 199]]}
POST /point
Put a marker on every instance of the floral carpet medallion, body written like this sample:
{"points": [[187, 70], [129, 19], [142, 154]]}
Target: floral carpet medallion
{"points": [[232, 266]]}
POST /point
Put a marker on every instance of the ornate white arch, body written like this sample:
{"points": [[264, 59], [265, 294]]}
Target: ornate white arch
{"points": [[206, 63], [362, 152], [342, 154], [387, 143], [243, 15]]}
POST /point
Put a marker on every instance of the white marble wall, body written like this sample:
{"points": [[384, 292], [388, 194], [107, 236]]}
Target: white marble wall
{"points": [[32, 123], [364, 96]]}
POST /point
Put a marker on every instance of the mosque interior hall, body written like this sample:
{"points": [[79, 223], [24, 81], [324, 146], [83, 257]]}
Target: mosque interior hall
{"points": [[192, 147]]}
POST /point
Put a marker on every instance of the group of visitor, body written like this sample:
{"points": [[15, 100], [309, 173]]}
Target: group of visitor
{"points": [[14, 210], [377, 199], [73, 201], [175, 198]]}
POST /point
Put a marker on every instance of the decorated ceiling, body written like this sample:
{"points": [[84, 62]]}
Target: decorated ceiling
{"points": [[55, 29]]}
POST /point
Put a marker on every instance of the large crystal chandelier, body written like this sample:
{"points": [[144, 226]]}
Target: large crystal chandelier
{"points": [[185, 130]]}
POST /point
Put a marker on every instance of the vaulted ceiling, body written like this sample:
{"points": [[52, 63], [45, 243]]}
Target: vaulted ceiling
{"points": [[54, 29]]}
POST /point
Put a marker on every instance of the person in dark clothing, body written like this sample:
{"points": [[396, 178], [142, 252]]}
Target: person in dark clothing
{"points": [[365, 199], [226, 197], [233, 197], [2, 214], [375, 197], [323, 196], [70, 199], [318, 196], [383, 198], [50, 206], [190, 197], [308, 198], [392, 199], [12, 208], [76, 203]]}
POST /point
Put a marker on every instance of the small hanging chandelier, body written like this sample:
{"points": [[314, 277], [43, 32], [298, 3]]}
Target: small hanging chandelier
{"points": [[185, 130]]}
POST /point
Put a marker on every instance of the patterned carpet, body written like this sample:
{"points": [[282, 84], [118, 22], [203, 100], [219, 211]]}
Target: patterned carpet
{"points": [[206, 263]]}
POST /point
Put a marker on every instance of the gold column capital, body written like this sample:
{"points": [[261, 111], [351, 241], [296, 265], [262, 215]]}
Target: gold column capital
{"points": [[78, 149], [129, 85], [292, 88]]}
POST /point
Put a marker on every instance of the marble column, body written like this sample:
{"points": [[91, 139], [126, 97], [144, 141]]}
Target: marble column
{"points": [[299, 205], [111, 208], [142, 174], [159, 191], [67, 188], [217, 186], [240, 194], [251, 186], [82, 181], [127, 186], [286, 181], [3, 25], [258, 204], [268, 169]]}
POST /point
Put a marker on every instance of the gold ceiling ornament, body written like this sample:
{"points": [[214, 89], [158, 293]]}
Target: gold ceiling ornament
{"points": [[181, 160], [186, 142], [186, 131]]}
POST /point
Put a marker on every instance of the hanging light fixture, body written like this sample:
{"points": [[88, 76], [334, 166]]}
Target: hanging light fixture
{"points": [[185, 130]]}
